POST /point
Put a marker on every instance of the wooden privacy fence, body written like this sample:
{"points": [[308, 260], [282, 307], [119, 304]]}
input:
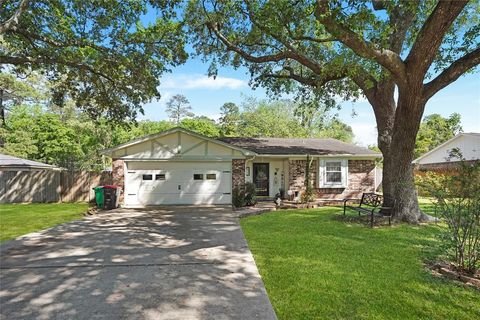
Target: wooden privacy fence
{"points": [[50, 186]]}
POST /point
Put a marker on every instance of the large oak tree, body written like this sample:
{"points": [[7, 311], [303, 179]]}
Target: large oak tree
{"points": [[101, 54], [414, 48]]}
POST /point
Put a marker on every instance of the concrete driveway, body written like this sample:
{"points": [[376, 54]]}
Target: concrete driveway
{"points": [[159, 263]]}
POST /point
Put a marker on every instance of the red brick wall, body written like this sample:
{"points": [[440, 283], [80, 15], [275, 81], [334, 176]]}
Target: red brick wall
{"points": [[118, 175], [296, 174], [238, 173], [361, 178]]}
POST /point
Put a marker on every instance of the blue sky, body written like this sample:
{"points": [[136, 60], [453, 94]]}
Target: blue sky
{"points": [[207, 95]]}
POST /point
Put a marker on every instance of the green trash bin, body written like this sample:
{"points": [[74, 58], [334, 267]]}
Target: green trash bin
{"points": [[99, 198]]}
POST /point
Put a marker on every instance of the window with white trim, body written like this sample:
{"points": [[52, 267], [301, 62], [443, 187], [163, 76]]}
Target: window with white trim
{"points": [[333, 173]]}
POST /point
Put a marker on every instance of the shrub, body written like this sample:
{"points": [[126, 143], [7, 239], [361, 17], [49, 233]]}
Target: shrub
{"points": [[457, 201], [238, 197], [250, 194], [308, 195]]}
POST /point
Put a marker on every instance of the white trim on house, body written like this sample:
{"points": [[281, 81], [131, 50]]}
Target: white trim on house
{"points": [[322, 173]]}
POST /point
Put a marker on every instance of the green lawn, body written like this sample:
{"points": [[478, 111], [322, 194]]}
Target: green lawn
{"points": [[19, 219], [315, 267]]}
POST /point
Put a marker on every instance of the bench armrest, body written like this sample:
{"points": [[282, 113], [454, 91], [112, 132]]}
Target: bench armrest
{"points": [[351, 199]]}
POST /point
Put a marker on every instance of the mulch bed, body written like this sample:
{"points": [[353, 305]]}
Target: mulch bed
{"points": [[450, 271]]}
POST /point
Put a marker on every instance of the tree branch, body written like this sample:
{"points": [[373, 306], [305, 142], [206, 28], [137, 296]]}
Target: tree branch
{"points": [[315, 82], [44, 60], [12, 22], [431, 35], [401, 20], [294, 53], [387, 58], [452, 73], [256, 59]]}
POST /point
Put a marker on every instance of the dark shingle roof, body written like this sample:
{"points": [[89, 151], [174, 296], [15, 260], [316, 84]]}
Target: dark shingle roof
{"points": [[298, 146], [7, 161]]}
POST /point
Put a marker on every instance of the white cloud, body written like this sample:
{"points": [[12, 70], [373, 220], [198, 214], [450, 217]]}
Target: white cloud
{"points": [[197, 81]]}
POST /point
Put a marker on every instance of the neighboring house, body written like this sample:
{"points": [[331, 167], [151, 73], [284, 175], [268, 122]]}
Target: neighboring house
{"points": [[9, 163], [438, 159], [182, 167]]}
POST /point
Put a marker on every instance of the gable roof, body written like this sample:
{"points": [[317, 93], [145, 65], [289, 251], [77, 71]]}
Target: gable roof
{"points": [[109, 151], [299, 146], [267, 146], [10, 162], [472, 134]]}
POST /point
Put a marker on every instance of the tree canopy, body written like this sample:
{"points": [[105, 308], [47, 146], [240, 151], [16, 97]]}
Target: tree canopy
{"points": [[98, 53]]}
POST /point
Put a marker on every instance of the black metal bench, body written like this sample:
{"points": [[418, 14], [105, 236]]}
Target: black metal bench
{"points": [[372, 205]]}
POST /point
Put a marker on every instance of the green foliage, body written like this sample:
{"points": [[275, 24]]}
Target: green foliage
{"points": [[250, 194], [122, 134], [229, 119], [238, 197], [269, 119], [202, 125], [336, 129], [244, 196], [457, 201], [281, 119], [97, 53], [435, 130], [178, 107]]}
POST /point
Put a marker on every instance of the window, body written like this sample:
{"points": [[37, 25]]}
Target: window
{"points": [[160, 176], [198, 176], [147, 177], [333, 173], [211, 176]]}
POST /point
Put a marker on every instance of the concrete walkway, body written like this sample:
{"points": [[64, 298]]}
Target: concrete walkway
{"points": [[162, 263]]}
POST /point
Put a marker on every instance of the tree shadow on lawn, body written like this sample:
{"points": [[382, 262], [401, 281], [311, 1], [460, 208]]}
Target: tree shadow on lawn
{"points": [[153, 264], [354, 267]]}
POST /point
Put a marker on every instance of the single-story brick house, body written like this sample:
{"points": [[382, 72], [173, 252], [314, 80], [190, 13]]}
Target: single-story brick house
{"points": [[179, 166]]}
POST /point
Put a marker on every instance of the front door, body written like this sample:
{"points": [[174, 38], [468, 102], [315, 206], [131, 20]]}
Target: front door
{"points": [[260, 178]]}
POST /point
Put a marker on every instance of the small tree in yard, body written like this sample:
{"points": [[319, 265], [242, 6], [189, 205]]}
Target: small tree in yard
{"points": [[457, 199]]}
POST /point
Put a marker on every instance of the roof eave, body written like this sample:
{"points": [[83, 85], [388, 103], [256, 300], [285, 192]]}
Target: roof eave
{"points": [[378, 155]]}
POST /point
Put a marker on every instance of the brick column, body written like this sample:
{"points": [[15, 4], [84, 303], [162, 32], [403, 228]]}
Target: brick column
{"points": [[296, 174], [118, 176], [238, 173]]}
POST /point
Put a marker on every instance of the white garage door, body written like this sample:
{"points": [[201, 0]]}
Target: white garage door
{"points": [[169, 182]]}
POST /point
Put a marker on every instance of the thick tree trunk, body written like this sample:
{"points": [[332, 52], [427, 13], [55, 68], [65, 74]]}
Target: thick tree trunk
{"points": [[397, 127], [408, 116]]}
